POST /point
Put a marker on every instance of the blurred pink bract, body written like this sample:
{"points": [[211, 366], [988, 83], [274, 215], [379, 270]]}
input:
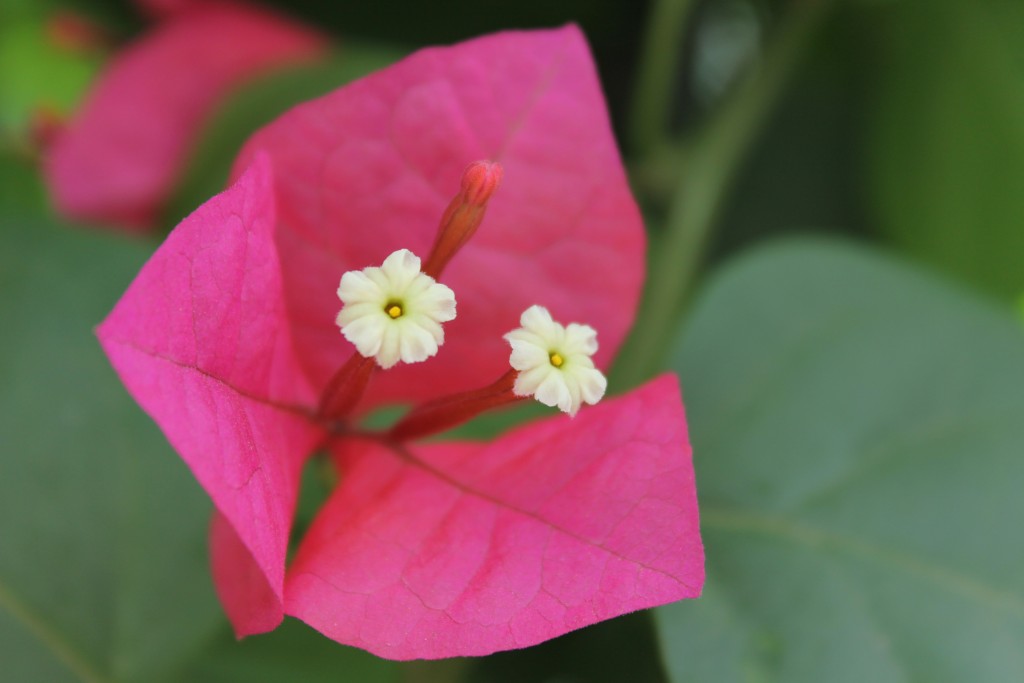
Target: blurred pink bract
{"points": [[118, 158]]}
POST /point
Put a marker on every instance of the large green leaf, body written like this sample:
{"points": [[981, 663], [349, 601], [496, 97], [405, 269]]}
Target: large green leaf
{"points": [[294, 652], [859, 445], [21, 188], [946, 144], [103, 564]]}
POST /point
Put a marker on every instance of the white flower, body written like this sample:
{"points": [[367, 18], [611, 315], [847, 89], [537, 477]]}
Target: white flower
{"points": [[394, 312], [554, 362]]}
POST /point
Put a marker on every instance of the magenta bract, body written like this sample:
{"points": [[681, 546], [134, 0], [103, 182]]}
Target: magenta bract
{"points": [[227, 339], [370, 168], [118, 158], [465, 548]]}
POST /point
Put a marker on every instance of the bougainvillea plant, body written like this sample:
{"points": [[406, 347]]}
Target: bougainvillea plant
{"points": [[117, 159], [319, 286]]}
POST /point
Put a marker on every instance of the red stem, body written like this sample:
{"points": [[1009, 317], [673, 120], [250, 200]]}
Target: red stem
{"points": [[446, 412], [459, 223], [346, 387]]}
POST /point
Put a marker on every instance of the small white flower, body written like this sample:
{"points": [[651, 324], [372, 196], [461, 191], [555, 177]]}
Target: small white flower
{"points": [[554, 362], [394, 312]]}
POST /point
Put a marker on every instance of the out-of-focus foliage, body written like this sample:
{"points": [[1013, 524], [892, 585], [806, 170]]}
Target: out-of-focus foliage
{"points": [[21, 190], [946, 140], [857, 438], [293, 652], [37, 71], [103, 569]]}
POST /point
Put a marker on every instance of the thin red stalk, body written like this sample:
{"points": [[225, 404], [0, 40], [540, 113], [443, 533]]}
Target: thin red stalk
{"points": [[348, 385], [447, 412]]}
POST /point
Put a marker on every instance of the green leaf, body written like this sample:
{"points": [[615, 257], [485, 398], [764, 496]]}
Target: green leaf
{"points": [[103, 561], [858, 438], [293, 652], [946, 144], [21, 188], [35, 72]]}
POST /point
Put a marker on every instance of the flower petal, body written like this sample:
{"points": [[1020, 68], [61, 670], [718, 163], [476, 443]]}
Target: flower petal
{"points": [[464, 549], [394, 311], [371, 167], [199, 340], [554, 391], [118, 158]]}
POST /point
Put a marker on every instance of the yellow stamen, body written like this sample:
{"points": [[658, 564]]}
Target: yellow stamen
{"points": [[395, 311], [556, 360]]}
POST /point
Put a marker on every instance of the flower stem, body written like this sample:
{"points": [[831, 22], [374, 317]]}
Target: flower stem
{"points": [[649, 116], [346, 387], [449, 411], [712, 159]]}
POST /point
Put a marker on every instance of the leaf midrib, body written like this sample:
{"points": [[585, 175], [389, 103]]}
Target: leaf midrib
{"points": [[50, 637], [732, 520]]}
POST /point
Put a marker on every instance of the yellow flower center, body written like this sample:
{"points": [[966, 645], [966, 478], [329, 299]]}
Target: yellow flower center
{"points": [[394, 310], [556, 359]]}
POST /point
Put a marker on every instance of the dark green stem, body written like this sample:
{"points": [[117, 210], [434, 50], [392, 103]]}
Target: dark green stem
{"points": [[711, 161], [649, 117]]}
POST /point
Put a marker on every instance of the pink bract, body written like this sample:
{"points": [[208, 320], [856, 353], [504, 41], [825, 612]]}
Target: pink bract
{"points": [[370, 168], [198, 341], [117, 160], [438, 550], [464, 548]]}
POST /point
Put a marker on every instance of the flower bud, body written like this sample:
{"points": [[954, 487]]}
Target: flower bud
{"points": [[480, 180], [464, 214]]}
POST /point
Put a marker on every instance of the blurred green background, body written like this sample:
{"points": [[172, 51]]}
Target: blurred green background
{"points": [[833, 191]]}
